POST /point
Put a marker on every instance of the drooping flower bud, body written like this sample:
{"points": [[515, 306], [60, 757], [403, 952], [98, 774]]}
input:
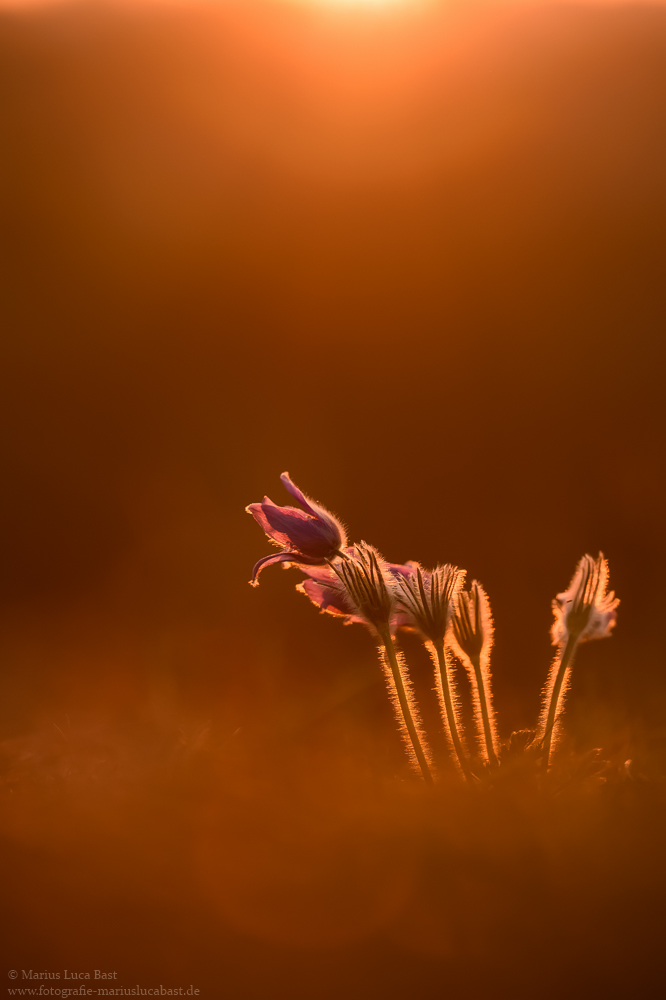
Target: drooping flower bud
{"points": [[310, 536]]}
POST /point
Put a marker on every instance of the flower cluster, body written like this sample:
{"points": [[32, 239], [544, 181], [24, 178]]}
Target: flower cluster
{"points": [[355, 583]]}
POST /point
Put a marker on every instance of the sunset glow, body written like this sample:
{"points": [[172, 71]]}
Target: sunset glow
{"points": [[363, 3], [409, 250], [360, 3]]}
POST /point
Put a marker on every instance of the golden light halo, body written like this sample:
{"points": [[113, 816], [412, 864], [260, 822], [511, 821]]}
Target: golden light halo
{"points": [[360, 4]]}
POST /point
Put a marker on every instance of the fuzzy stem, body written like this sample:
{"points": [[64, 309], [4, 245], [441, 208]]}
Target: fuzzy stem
{"points": [[387, 641], [450, 709], [565, 663], [483, 704]]}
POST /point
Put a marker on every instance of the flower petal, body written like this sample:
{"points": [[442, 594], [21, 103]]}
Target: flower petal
{"points": [[402, 569], [328, 599], [304, 532], [278, 557], [315, 510], [259, 514], [298, 494], [600, 625]]}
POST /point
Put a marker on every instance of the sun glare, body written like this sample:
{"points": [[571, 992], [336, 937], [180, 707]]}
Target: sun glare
{"points": [[362, 4]]}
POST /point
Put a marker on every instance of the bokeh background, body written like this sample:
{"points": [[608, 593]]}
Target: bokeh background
{"points": [[414, 255]]}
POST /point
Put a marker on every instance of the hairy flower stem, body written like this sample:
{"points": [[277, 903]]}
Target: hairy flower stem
{"points": [[483, 704], [566, 661], [387, 642], [450, 709]]}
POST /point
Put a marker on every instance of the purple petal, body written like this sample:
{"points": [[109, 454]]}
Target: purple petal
{"points": [[258, 513], [330, 601], [277, 557], [336, 529], [322, 574], [294, 529], [308, 534], [298, 495], [323, 597], [272, 512], [402, 569]]}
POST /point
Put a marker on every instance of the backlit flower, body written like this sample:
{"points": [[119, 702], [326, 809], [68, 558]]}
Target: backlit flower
{"points": [[365, 586], [425, 601], [358, 588], [472, 638], [355, 587], [324, 588], [472, 623], [310, 536], [585, 611], [425, 598]]}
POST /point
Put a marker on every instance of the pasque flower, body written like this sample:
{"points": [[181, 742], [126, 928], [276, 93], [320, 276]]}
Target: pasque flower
{"points": [[356, 584], [324, 588], [472, 638], [582, 612], [363, 577], [359, 588], [585, 609], [426, 599], [348, 582], [472, 622], [310, 536]]}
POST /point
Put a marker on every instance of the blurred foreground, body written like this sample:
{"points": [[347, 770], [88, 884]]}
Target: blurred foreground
{"points": [[179, 857]]}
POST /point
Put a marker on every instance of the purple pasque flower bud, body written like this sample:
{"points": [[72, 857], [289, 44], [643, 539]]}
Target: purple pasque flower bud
{"points": [[584, 610], [310, 536]]}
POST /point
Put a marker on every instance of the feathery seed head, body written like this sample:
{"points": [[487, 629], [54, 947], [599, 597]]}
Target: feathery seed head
{"points": [[426, 597], [585, 611]]}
